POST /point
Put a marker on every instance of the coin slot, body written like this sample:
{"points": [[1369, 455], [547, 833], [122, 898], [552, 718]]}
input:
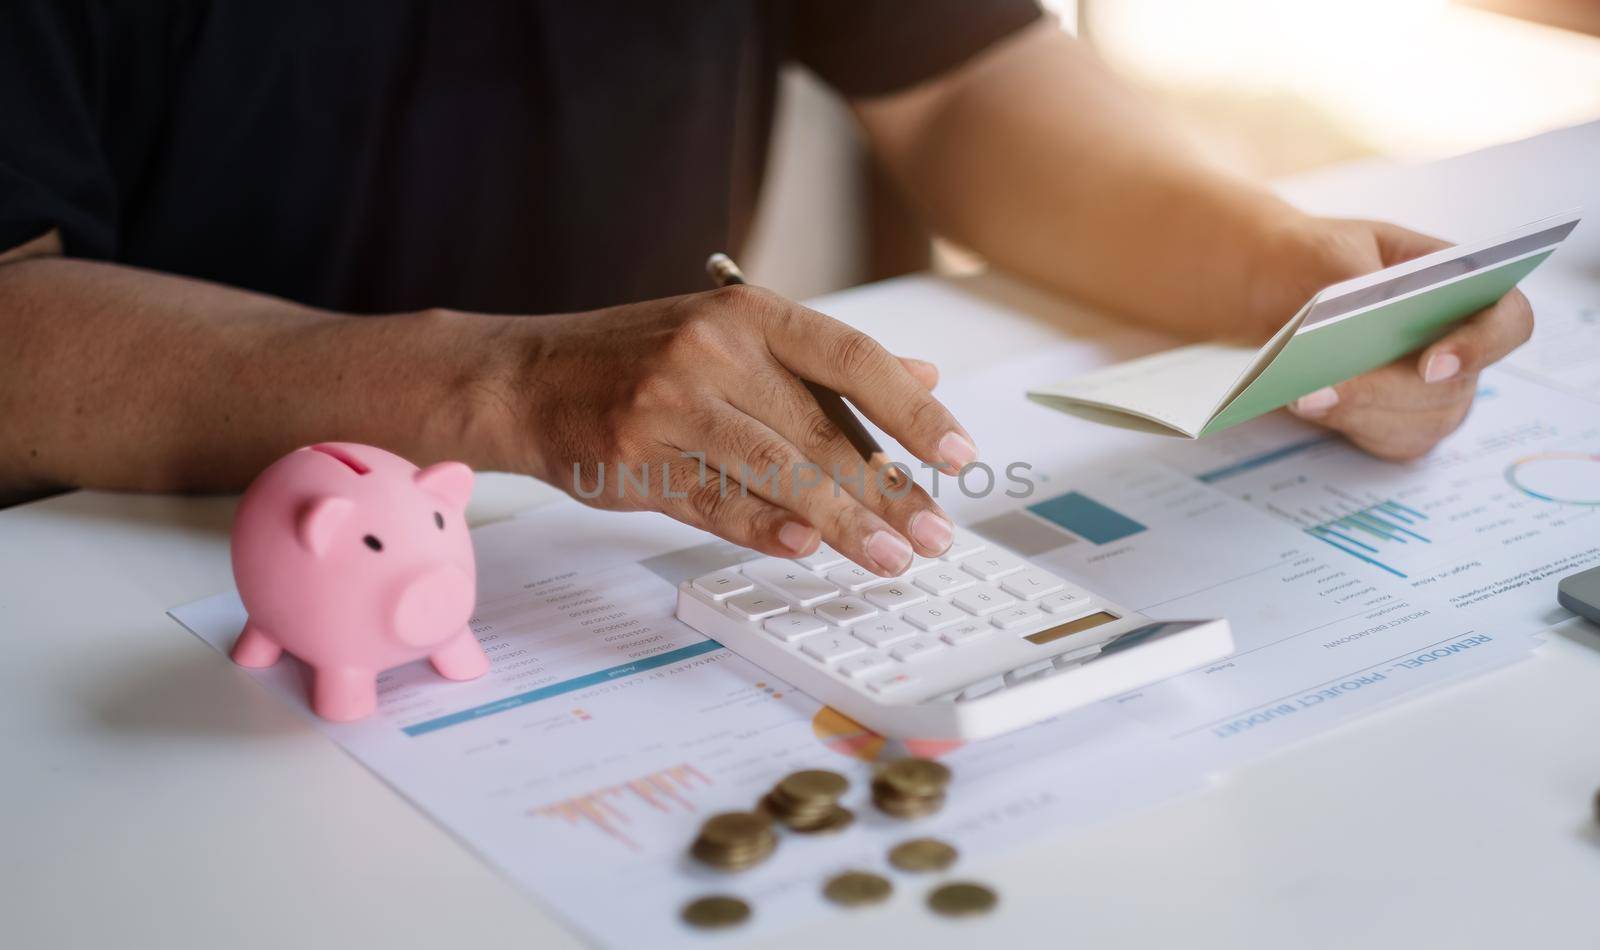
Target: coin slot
{"points": [[338, 452], [1089, 622]]}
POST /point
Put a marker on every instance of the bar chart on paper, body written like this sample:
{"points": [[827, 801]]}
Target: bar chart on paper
{"points": [[1501, 508], [1366, 532], [612, 811]]}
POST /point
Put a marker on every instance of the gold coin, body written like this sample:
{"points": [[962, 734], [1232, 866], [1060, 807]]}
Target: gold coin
{"points": [[734, 827], [718, 910], [857, 888], [922, 854], [893, 803], [961, 899], [837, 818], [812, 784], [915, 776]]}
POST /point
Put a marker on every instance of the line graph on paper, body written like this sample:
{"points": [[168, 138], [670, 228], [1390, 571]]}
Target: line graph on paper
{"points": [[616, 811]]}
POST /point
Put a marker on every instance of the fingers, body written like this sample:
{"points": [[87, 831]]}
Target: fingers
{"points": [[1390, 412], [925, 372], [818, 348], [1396, 244], [706, 500], [855, 515], [789, 409], [1482, 339]]}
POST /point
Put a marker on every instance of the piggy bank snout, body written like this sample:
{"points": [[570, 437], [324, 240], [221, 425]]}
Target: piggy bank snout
{"points": [[433, 606]]}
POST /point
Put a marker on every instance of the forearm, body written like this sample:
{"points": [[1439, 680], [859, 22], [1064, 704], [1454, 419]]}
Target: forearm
{"points": [[1037, 157], [125, 379]]}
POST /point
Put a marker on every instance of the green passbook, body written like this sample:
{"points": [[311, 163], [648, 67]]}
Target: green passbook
{"points": [[1345, 330]]}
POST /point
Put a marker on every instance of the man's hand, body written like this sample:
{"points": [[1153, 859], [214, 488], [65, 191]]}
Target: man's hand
{"points": [[1400, 411], [704, 394]]}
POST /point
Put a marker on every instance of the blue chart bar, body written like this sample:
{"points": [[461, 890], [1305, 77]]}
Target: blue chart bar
{"points": [[1362, 534], [1087, 518], [565, 686]]}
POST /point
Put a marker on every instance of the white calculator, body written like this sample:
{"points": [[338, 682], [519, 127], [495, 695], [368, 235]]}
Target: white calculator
{"points": [[971, 644]]}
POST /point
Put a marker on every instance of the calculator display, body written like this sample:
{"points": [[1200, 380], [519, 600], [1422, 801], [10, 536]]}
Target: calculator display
{"points": [[1067, 629]]}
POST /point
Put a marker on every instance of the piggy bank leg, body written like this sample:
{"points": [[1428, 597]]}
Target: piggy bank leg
{"points": [[254, 648], [343, 694], [461, 658]]}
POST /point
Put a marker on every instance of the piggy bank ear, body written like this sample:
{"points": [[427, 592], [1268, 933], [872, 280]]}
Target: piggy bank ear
{"points": [[450, 482], [318, 521]]}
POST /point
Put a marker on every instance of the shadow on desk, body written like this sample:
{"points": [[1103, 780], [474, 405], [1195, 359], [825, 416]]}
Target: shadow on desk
{"points": [[182, 514], [185, 691]]}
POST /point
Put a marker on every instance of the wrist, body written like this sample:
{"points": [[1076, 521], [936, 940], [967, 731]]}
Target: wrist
{"points": [[467, 406]]}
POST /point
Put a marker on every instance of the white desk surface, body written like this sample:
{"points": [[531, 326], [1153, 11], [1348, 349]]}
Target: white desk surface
{"points": [[151, 797]]}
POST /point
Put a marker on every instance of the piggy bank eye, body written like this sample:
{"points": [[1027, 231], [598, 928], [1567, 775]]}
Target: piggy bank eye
{"points": [[372, 542], [438, 519]]}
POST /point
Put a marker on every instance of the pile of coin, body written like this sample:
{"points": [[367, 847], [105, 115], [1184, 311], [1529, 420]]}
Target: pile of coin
{"points": [[910, 788], [808, 801], [735, 840]]}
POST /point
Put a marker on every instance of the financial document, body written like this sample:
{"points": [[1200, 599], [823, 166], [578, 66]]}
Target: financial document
{"points": [[582, 764]]}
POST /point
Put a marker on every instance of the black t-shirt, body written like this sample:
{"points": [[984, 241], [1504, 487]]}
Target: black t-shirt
{"points": [[511, 156]]}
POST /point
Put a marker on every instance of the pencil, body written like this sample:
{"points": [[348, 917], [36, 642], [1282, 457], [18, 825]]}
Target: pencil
{"points": [[724, 272]]}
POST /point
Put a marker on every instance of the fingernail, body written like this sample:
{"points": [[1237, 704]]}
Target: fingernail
{"points": [[796, 536], [1440, 367], [889, 552], [931, 531], [957, 451], [1317, 403]]}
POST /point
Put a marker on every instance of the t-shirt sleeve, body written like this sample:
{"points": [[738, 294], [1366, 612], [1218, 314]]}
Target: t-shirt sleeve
{"points": [[874, 47], [53, 172]]}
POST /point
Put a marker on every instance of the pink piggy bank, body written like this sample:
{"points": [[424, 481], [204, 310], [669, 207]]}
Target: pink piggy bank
{"points": [[355, 560]]}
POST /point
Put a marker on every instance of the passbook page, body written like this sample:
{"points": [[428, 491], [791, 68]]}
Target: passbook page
{"points": [[1172, 393]]}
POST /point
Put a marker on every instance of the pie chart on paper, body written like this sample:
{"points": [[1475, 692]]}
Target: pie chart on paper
{"points": [[1568, 478]]}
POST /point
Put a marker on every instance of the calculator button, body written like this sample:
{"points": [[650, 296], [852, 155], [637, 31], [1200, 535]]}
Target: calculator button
{"points": [[889, 682], [992, 565], [824, 558], [1067, 661], [917, 648], [1032, 584], [982, 688], [1024, 673], [756, 605], [882, 631], [964, 545], [896, 596], [945, 581], [829, 647], [983, 600], [1013, 617], [723, 584], [796, 584], [791, 627], [965, 633], [932, 616], [1071, 600], [846, 611], [853, 578], [861, 664], [920, 564]]}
